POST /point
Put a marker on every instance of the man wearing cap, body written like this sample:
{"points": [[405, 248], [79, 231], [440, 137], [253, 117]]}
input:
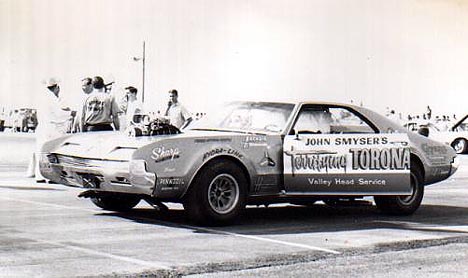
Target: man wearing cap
{"points": [[100, 109], [178, 115], [53, 119]]}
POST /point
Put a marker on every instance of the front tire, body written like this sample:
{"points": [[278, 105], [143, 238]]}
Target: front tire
{"points": [[116, 202], [404, 205], [217, 195], [460, 145]]}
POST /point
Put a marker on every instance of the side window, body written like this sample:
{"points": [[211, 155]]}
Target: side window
{"points": [[330, 120]]}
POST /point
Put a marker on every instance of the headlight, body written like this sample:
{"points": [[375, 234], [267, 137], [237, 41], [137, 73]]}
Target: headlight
{"points": [[139, 175], [52, 158], [137, 167]]}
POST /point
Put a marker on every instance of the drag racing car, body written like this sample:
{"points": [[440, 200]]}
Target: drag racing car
{"points": [[255, 153], [456, 136]]}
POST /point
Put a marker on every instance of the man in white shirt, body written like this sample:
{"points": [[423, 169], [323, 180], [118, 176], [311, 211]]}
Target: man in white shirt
{"points": [[133, 105], [178, 115], [53, 119]]}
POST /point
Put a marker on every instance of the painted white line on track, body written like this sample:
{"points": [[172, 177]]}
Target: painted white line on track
{"points": [[282, 242], [434, 227], [106, 255], [287, 243], [48, 204]]}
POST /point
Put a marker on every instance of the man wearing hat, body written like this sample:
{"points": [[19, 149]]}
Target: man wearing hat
{"points": [[100, 109], [53, 119]]}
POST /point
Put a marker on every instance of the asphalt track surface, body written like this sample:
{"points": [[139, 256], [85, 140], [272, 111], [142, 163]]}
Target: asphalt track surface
{"points": [[47, 231]]}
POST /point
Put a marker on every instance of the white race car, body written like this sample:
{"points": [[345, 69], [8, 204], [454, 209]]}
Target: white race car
{"points": [[255, 153], [456, 136]]}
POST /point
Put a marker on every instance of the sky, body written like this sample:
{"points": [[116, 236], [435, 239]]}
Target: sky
{"points": [[401, 54]]}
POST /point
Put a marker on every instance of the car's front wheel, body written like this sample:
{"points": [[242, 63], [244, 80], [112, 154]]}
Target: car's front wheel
{"points": [[217, 195], [116, 202], [460, 145], [404, 205]]}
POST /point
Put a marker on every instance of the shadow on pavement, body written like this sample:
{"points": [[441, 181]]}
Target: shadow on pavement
{"points": [[314, 219]]}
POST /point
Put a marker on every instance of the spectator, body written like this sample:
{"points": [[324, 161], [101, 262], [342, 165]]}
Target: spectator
{"points": [[178, 115], [429, 112], [100, 110]]}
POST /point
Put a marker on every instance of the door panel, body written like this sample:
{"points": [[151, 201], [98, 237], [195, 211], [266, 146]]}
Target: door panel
{"points": [[347, 164]]}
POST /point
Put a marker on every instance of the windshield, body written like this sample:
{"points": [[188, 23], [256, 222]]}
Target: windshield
{"points": [[248, 117]]}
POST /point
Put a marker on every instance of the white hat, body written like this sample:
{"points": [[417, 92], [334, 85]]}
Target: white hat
{"points": [[51, 82]]}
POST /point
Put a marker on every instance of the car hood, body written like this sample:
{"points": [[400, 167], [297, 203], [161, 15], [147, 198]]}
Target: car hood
{"points": [[116, 145]]}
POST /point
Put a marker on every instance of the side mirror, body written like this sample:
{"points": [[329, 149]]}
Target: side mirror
{"points": [[424, 131]]}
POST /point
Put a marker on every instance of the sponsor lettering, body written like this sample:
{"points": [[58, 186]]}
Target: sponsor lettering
{"points": [[380, 159], [362, 141], [254, 141], [317, 141], [209, 140], [316, 161], [313, 181], [218, 151], [345, 181], [171, 181], [162, 153], [434, 150]]}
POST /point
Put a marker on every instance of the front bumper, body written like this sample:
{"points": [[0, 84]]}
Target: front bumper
{"points": [[99, 175]]}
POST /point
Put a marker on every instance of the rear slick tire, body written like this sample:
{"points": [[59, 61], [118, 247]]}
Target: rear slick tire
{"points": [[404, 205]]}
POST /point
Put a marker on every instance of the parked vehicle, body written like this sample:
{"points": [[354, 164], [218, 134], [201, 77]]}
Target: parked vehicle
{"points": [[255, 153], [456, 136]]}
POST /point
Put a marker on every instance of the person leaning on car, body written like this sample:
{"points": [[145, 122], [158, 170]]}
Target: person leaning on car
{"points": [[100, 109]]}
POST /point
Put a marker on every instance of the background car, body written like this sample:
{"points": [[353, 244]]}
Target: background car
{"points": [[255, 153], [456, 135]]}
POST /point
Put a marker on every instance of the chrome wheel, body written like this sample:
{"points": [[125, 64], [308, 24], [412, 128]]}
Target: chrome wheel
{"points": [[459, 146], [223, 193]]}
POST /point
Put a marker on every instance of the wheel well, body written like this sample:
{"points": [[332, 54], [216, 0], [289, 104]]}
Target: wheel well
{"points": [[416, 161], [223, 158], [458, 138]]}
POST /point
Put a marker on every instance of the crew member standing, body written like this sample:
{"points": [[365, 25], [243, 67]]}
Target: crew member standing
{"points": [[53, 118], [178, 115], [132, 106], [100, 110], [87, 87]]}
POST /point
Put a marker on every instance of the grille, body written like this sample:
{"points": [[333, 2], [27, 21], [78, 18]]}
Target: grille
{"points": [[94, 163]]}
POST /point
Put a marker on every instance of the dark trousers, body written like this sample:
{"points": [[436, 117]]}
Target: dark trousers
{"points": [[99, 127]]}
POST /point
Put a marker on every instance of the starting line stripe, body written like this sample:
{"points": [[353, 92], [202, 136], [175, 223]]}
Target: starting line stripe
{"points": [[106, 255], [281, 242], [287, 243]]}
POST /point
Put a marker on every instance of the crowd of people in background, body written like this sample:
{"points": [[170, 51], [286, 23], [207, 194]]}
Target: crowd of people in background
{"points": [[442, 122]]}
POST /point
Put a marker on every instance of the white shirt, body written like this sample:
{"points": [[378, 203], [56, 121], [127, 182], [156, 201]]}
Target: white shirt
{"points": [[178, 114], [52, 119], [133, 108]]}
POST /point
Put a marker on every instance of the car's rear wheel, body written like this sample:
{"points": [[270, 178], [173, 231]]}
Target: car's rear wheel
{"points": [[460, 145], [217, 195], [116, 202], [404, 205]]}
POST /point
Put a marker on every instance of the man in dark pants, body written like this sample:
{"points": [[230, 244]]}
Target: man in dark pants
{"points": [[100, 110]]}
